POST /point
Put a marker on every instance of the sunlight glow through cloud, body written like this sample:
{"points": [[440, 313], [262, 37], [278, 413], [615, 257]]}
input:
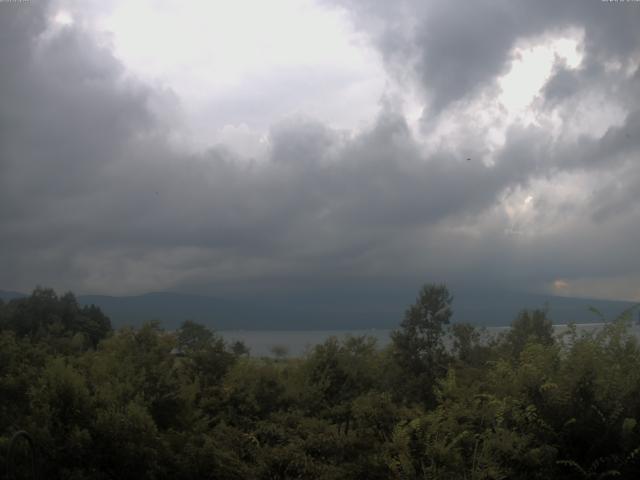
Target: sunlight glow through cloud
{"points": [[216, 54], [485, 119], [63, 18], [531, 67]]}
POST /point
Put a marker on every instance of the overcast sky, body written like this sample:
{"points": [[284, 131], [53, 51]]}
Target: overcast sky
{"points": [[243, 147]]}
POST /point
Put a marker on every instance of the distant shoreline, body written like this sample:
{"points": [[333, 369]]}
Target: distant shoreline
{"points": [[297, 342]]}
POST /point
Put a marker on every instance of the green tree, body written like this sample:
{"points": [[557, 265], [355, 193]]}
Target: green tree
{"points": [[45, 315], [418, 345], [465, 342], [205, 358], [529, 327]]}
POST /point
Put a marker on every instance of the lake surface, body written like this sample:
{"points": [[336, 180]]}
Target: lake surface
{"points": [[298, 342]]}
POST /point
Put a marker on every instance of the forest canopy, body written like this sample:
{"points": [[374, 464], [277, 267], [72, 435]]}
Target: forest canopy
{"points": [[442, 401]]}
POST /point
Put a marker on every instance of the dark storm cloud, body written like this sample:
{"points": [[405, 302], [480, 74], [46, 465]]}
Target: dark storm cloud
{"points": [[452, 49], [95, 196], [65, 112], [561, 85]]}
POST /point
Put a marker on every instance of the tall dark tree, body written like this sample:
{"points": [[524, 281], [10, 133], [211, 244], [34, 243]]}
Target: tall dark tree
{"points": [[206, 351], [194, 337], [529, 327], [44, 314], [465, 342], [418, 347]]}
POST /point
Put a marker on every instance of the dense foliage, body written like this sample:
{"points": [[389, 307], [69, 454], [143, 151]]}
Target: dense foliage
{"points": [[147, 403]]}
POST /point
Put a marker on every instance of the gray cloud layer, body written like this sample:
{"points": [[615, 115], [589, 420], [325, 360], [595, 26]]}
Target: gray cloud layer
{"points": [[95, 197], [452, 49]]}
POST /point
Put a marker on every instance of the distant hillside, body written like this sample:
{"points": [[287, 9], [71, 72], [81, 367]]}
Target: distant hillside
{"points": [[499, 308], [173, 308], [9, 295], [483, 308]]}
